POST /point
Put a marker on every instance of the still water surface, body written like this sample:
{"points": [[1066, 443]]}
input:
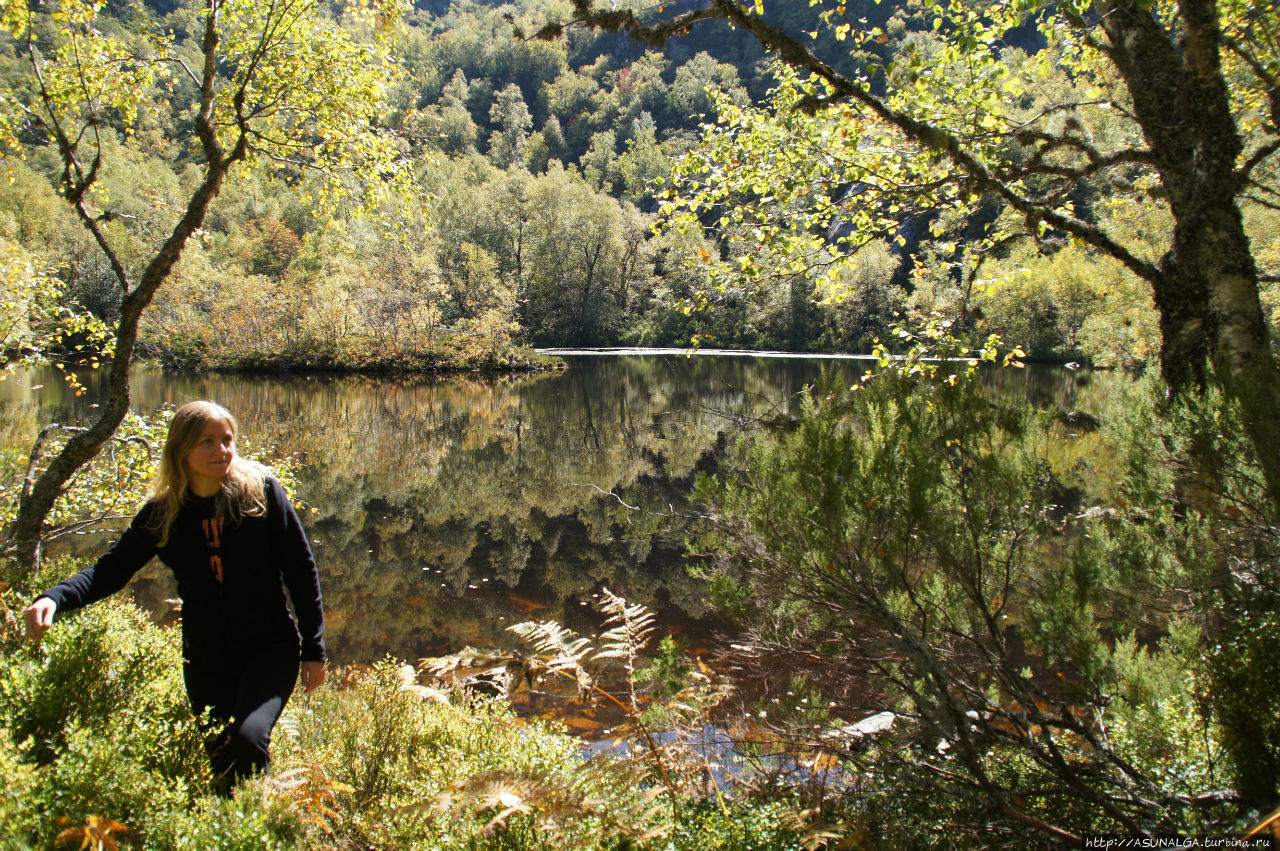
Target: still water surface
{"points": [[444, 510]]}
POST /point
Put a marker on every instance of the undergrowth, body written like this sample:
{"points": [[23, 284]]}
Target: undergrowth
{"points": [[98, 749]]}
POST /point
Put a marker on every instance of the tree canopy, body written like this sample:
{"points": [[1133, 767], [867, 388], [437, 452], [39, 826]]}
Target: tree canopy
{"points": [[1176, 102], [265, 83]]}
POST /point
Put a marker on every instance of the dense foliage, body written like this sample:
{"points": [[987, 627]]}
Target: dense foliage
{"points": [[1066, 647], [531, 174], [97, 743]]}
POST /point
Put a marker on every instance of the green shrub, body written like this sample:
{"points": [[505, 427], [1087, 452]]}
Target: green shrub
{"points": [[745, 825], [1018, 619], [1069, 304], [99, 726], [95, 730], [17, 796], [93, 670], [386, 752]]}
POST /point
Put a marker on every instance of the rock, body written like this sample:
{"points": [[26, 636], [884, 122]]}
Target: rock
{"points": [[870, 725], [1079, 420]]}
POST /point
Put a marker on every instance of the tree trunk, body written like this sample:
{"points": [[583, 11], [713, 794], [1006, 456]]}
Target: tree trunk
{"points": [[1207, 292], [34, 505], [590, 257], [1239, 348]]}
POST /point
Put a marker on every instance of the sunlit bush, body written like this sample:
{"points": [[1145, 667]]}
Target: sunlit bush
{"points": [[101, 729], [96, 739], [1061, 653], [1069, 304]]}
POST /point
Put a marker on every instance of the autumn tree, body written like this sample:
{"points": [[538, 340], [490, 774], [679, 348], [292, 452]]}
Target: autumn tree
{"points": [[274, 82], [1189, 90]]}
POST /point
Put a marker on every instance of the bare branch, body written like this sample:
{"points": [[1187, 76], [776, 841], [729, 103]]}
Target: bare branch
{"points": [[37, 450], [93, 225], [204, 116], [1270, 205], [585, 14], [1257, 158], [1098, 161], [182, 63]]}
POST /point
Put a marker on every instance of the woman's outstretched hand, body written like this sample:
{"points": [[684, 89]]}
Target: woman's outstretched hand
{"points": [[312, 675], [39, 617]]}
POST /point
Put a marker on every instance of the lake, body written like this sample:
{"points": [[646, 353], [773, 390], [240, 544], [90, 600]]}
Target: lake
{"points": [[444, 510]]}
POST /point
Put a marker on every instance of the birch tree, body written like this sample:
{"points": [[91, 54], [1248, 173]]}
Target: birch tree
{"points": [[269, 82]]}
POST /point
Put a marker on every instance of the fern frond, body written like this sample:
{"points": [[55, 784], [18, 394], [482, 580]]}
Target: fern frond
{"points": [[559, 803], [630, 626], [312, 793], [445, 667], [474, 671], [692, 705], [565, 647], [559, 650], [816, 832], [288, 723], [409, 682]]}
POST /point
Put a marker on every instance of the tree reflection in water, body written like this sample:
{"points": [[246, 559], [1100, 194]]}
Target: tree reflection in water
{"points": [[442, 511]]}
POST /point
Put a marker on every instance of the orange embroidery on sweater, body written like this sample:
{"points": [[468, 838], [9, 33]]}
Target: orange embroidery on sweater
{"points": [[213, 538], [212, 531]]}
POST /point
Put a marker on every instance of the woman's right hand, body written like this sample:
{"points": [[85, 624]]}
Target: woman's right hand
{"points": [[39, 617]]}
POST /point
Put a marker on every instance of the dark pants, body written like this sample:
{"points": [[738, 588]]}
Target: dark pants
{"points": [[245, 696]]}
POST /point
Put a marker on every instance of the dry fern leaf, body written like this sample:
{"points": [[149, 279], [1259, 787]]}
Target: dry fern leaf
{"points": [[630, 626], [558, 650], [557, 803]]}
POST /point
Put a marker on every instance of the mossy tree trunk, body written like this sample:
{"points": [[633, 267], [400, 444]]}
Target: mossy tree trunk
{"points": [[1206, 290]]}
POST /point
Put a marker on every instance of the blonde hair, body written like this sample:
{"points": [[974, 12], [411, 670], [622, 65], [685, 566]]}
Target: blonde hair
{"points": [[243, 492]]}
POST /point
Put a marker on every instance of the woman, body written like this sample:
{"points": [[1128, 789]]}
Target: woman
{"points": [[227, 531]]}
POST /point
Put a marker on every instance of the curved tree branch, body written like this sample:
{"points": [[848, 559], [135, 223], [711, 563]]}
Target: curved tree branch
{"points": [[1243, 176], [39, 498], [931, 137], [76, 181]]}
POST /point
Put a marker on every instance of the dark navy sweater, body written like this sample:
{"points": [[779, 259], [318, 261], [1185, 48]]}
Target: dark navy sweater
{"points": [[232, 575]]}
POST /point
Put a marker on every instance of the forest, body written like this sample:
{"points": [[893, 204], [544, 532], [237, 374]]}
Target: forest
{"points": [[998, 622], [536, 173]]}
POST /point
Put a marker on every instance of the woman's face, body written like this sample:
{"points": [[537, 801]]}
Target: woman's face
{"points": [[209, 461]]}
